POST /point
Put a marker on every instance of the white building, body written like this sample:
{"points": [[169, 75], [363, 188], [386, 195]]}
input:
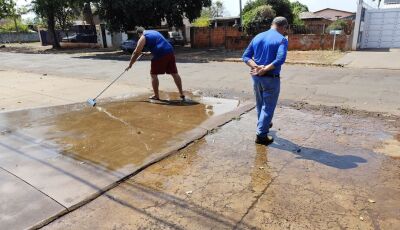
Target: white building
{"points": [[377, 28]]}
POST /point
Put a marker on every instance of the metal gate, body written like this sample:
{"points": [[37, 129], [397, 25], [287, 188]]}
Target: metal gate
{"points": [[381, 29]]}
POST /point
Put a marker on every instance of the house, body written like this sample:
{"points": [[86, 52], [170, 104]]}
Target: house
{"points": [[326, 16], [377, 27], [333, 14], [225, 21]]}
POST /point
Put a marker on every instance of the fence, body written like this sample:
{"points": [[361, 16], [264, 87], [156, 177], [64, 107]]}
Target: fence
{"points": [[206, 37], [317, 29], [18, 37]]}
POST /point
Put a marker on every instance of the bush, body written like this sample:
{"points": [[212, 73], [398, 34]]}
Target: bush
{"points": [[260, 16], [202, 22], [10, 26], [337, 25]]}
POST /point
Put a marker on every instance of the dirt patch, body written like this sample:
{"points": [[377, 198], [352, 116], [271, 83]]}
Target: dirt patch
{"points": [[390, 148], [183, 54]]}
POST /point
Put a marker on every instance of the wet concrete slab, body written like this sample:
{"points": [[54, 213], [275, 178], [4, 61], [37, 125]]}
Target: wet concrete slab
{"points": [[73, 153], [20, 201], [322, 172]]}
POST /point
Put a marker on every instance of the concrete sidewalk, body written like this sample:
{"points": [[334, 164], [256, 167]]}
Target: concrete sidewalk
{"points": [[25, 90], [371, 60], [324, 171], [56, 159]]}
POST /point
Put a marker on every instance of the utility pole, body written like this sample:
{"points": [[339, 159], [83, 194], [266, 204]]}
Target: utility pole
{"points": [[241, 13]]}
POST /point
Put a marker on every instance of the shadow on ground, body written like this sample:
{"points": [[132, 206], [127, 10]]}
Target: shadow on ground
{"points": [[323, 157]]}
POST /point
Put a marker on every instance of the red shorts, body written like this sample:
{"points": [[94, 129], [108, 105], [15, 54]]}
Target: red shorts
{"points": [[164, 65]]}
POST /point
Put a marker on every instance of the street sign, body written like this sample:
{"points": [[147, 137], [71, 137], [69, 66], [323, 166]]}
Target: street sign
{"points": [[336, 32]]}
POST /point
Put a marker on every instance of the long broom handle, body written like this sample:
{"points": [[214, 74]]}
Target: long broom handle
{"points": [[116, 79]]}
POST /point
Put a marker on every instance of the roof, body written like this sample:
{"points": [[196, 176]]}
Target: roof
{"points": [[334, 10], [225, 18], [309, 15]]}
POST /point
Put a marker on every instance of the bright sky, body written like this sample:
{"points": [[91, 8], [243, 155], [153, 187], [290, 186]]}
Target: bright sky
{"points": [[232, 6]]}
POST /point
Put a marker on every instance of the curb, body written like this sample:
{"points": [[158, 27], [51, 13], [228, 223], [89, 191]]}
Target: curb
{"points": [[187, 138], [238, 60]]}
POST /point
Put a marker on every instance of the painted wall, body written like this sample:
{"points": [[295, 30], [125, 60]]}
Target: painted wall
{"points": [[19, 37]]}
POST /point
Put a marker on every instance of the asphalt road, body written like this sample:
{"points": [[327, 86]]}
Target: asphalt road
{"points": [[375, 90]]}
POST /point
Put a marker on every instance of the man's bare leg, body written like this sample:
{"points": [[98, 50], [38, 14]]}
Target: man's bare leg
{"points": [[178, 83], [155, 83]]}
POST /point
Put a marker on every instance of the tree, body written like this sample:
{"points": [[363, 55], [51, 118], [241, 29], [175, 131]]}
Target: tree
{"points": [[257, 18], [281, 7], [54, 12], [217, 9], [124, 15], [6, 8], [205, 18], [297, 9], [87, 13], [66, 14]]}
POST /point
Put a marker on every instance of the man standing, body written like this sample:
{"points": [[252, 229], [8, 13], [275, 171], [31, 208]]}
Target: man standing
{"points": [[163, 61], [265, 56]]}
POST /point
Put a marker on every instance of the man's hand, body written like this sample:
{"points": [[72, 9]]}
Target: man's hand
{"points": [[128, 68], [259, 71], [262, 70]]}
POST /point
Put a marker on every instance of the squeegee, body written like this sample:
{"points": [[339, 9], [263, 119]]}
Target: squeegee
{"points": [[93, 102]]}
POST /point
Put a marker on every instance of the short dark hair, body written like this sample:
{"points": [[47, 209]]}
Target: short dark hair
{"points": [[280, 22], [139, 30]]}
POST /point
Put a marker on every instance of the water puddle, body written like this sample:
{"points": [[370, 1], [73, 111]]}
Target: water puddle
{"points": [[115, 135]]}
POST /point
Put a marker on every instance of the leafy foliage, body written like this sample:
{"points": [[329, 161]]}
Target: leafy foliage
{"points": [[217, 9], [281, 7], [124, 15], [337, 25], [58, 13], [297, 9], [259, 17], [11, 26], [6, 8], [204, 20]]}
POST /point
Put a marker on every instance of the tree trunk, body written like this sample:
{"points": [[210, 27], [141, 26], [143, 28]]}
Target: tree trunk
{"points": [[16, 25], [88, 14], [51, 23]]}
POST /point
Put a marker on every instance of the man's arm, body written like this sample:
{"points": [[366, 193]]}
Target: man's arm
{"points": [[137, 52], [282, 53], [248, 56], [279, 60]]}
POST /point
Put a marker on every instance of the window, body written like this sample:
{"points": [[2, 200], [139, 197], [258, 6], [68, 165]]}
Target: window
{"points": [[388, 2]]}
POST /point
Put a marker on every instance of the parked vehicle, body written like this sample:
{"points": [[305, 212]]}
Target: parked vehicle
{"points": [[128, 46], [177, 38], [81, 38]]}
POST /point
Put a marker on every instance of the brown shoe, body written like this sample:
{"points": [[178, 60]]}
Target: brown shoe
{"points": [[264, 140]]}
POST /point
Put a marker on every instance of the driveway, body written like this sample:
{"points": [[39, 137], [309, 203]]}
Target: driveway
{"points": [[378, 59]]}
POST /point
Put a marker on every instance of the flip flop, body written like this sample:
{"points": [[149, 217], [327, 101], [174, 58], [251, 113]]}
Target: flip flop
{"points": [[154, 98]]}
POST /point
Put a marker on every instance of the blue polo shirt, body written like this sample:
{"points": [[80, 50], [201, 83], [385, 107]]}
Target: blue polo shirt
{"points": [[266, 48], [157, 44]]}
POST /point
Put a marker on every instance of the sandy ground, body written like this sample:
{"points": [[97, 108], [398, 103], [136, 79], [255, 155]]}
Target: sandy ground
{"points": [[316, 57]]}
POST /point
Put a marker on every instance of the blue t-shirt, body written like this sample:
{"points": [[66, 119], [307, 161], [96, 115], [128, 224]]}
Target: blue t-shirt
{"points": [[266, 48], [157, 44]]}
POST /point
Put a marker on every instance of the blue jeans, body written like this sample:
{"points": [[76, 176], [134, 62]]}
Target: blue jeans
{"points": [[266, 90]]}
